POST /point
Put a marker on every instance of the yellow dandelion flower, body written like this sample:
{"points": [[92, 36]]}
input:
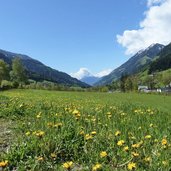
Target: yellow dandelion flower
{"points": [[147, 159], [164, 141], [75, 112], [39, 115], [123, 114], [131, 166], [147, 136], [88, 137], [134, 154], [40, 134], [165, 163], [103, 154], [93, 120], [151, 125], [151, 113], [58, 125], [156, 140], [137, 145], [117, 133], [78, 115], [50, 124], [82, 132], [40, 158], [93, 133], [21, 105], [109, 116], [67, 165], [34, 133], [136, 111], [133, 138], [140, 143], [97, 167], [53, 155], [120, 143], [28, 133], [139, 128], [126, 149], [3, 163], [108, 113]]}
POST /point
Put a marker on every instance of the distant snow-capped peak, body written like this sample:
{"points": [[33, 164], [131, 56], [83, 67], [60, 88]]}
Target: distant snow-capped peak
{"points": [[157, 45], [153, 46], [85, 72]]}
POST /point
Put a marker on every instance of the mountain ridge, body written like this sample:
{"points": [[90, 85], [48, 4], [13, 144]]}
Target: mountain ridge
{"points": [[90, 79], [163, 62], [38, 71], [133, 64]]}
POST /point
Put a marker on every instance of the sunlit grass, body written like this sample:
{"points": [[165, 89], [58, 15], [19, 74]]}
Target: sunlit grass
{"points": [[87, 131]]}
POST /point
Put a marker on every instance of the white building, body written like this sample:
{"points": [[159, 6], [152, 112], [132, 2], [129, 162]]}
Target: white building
{"points": [[142, 88]]}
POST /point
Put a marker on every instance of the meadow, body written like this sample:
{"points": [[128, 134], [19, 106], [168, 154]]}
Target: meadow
{"points": [[83, 131]]}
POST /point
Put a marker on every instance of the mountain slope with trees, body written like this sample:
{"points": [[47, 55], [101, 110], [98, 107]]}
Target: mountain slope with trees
{"points": [[163, 62], [39, 72], [135, 64], [156, 75]]}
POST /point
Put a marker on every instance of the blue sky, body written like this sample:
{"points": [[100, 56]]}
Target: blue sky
{"points": [[70, 34]]}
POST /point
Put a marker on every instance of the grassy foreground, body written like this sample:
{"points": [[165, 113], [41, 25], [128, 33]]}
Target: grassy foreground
{"points": [[84, 131]]}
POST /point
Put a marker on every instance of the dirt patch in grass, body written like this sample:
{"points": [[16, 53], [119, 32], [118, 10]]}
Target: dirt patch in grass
{"points": [[6, 135]]}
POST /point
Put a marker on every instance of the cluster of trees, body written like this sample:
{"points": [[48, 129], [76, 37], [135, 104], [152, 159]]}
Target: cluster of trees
{"points": [[161, 64], [47, 85], [131, 83], [12, 76], [126, 83], [157, 80]]}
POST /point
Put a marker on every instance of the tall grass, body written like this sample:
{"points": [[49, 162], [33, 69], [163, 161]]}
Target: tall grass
{"points": [[87, 131]]}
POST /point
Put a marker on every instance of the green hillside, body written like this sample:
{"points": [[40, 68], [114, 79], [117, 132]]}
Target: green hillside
{"points": [[163, 62], [39, 71], [152, 72], [134, 65]]}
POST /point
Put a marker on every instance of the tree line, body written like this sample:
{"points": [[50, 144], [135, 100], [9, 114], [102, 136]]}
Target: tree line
{"points": [[152, 81], [12, 76], [160, 64], [16, 76]]}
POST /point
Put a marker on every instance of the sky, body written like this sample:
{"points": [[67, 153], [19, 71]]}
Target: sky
{"points": [[77, 36]]}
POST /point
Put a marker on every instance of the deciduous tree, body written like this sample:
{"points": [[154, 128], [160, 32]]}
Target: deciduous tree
{"points": [[18, 73]]}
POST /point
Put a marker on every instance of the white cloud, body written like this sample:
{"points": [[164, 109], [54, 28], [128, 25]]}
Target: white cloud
{"points": [[84, 72], [155, 28]]}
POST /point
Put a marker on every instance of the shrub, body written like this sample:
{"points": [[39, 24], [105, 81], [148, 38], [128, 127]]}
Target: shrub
{"points": [[6, 85]]}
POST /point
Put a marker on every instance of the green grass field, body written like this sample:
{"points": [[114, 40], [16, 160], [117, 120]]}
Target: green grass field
{"points": [[49, 130]]}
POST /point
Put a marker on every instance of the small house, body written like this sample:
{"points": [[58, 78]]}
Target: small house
{"points": [[143, 88]]}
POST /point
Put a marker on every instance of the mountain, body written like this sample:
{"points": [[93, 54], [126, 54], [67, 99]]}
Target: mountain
{"points": [[90, 79], [84, 75], [38, 71], [134, 64], [163, 62]]}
